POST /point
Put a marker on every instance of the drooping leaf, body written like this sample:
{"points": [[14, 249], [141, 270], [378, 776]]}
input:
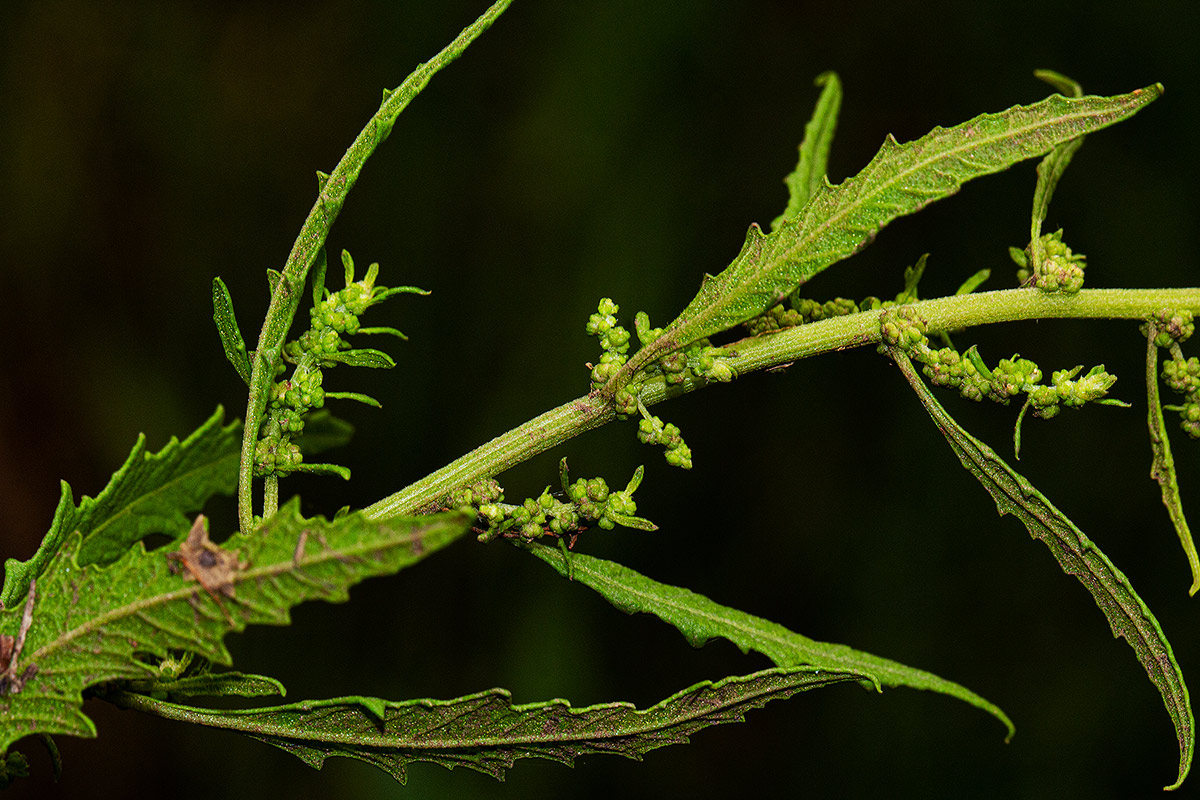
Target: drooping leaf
{"points": [[809, 173], [1162, 467], [839, 221], [230, 333], [486, 731], [700, 619], [89, 622], [1077, 555], [150, 493]]}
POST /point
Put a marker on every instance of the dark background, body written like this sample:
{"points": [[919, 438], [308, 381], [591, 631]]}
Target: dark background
{"points": [[619, 149]]}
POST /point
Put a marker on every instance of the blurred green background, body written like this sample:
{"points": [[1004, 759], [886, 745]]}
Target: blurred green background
{"points": [[619, 149]]}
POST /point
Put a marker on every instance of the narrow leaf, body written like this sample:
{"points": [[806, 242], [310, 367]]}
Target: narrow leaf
{"points": [[486, 731], [89, 622], [150, 493], [839, 221], [1127, 615], [230, 333], [1162, 468], [700, 619], [810, 169], [1051, 168], [212, 684], [365, 357]]}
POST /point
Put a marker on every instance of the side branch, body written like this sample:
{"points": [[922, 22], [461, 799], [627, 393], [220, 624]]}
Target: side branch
{"points": [[776, 349]]}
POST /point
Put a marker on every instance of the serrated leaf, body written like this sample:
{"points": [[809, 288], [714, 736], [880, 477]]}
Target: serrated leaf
{"points": [[150, 493], [227, 327], [700, 620], [487, 732], [89, 622], [806, 178], [1127, 615], [839, 221]]}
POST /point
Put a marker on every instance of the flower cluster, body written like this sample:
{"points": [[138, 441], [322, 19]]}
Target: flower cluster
{"points": [[333, 315], [1058, 270], [585, 502], [698, 360], [1180, 374], [802, 310], [901, 328]]}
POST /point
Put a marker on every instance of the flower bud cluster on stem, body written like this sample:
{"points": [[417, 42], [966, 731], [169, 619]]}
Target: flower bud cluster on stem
{"points": [[1180, 374]]}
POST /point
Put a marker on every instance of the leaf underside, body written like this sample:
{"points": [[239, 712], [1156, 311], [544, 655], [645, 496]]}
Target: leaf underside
{"points": [[487, 732], [1077, 555], [700, 619], [150, 493], [90, 622]]}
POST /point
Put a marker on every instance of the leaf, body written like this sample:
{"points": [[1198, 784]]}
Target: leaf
{"points": [[89, 622], [1162, 467], [838, 221], [365, 357], [700, 619], [150, 493], [486, 731], [1051, 168], [212, 684], [806, 178], [308, 249], [1127, 615], [230, 333]]}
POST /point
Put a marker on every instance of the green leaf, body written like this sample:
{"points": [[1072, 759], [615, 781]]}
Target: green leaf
{"points": [[213, 684], [838, 221], [89, 622], [1162, 468], [486, 731], [1077, 555], [227, 328], [1051, 168], [365, 357], [806, 178], [150, 493], [287, 286], [700, 619]]}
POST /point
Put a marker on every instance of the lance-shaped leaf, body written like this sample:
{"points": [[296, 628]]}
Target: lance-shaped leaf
{"points": [[87, 623], [1077, 555], [700, 619], [809, 173], [838, 221], [365, 357], [486, 731], [150, 493], [1162, 467], [1051, 169], [227, 327]]}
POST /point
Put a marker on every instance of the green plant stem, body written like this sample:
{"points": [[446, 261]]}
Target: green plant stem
{"points": [[288, 290], [774, 350]]}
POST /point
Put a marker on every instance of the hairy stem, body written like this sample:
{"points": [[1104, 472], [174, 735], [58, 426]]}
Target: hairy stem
{"points": [[750, 355]]}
